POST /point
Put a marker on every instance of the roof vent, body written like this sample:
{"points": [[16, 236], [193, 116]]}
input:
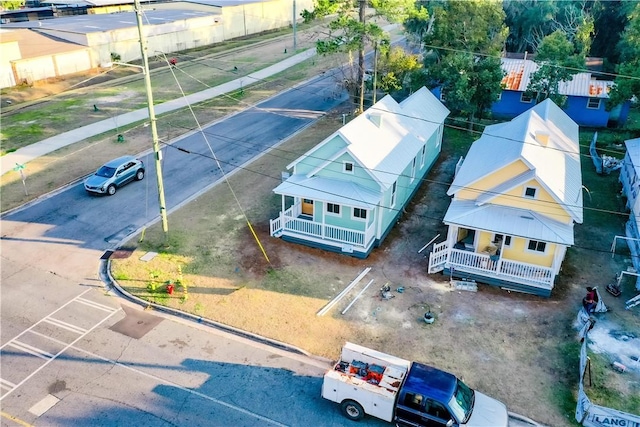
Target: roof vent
{"points": [[376, 119], [542, 137]]}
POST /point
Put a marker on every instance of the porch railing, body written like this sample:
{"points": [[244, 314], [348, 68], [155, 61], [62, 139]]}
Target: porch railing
{"points": [[288, 222], [483, 264]]}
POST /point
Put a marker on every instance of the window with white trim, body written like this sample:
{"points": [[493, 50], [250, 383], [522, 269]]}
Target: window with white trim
{"points": [[526, 98], [360, 213], [537, 246], [530, 192], [499, 97], [333, 208], [348, 167], [593, 103], [424, 155], [413, 169], [393, 193]]}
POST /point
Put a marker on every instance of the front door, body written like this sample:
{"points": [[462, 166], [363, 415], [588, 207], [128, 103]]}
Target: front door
{"points": [[307, 207]]}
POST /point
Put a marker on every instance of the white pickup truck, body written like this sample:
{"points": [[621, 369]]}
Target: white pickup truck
{"points": [[366, 381]]}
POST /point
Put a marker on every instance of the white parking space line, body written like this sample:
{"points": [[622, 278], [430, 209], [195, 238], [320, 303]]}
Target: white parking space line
{"points": [[95, 304], [56, 355], [41, 320], [30, 349], [64, 325], [7, 386]]}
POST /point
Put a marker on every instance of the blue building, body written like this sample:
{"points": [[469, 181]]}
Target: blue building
{"points": [[586, 96]]}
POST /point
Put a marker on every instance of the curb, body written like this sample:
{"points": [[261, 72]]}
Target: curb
{"points": [[112, 285], [525, 419]]}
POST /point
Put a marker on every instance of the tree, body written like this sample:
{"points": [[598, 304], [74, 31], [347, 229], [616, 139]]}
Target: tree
{"points": [[530, 21], [350, 32], [463, 41], [11, 4], [557, 62], [527, 19], [394, 68], [609, 21], [627, 83]]}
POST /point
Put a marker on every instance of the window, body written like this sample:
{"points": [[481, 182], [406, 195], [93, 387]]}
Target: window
{"points": [[525, 98], [359, 213], [442, 97], [424, 152], [333, 208], [530, 192], [499, 238], [348, 167], [413, 169], [537, 246], [437, 410], [499, 97], [393, 194], [414, 401], [593, 103]]}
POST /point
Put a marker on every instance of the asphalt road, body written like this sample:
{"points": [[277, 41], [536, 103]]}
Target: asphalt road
{"points": [[101, 222], [64, 358]]}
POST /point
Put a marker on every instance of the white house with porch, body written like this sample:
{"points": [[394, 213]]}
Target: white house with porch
{"points": [[346, 193], [516, 198]]}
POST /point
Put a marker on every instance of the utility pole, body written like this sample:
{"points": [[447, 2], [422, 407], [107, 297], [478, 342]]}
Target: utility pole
{"points": [[361, 58], [152, 119], [294, 27], [375, 70]]}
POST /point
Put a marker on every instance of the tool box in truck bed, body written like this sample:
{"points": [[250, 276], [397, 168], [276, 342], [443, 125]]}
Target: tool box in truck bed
{"points": [[366, 376]]}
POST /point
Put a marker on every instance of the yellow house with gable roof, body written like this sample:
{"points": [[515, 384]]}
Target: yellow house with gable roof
{"points": [[515, 199]]}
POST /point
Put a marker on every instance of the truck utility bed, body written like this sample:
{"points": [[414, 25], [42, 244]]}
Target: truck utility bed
{"points": [[369, 377]]}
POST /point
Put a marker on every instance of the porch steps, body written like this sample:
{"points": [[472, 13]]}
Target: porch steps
{"points": [[347, 248], [464, 285], [632, 302]]}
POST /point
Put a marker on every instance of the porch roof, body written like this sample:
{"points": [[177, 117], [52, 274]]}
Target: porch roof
{"points": [[509, 221], [329, 190]]}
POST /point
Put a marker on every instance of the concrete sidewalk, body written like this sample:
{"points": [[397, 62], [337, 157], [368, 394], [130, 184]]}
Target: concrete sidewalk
{"points": [[46, 146]]}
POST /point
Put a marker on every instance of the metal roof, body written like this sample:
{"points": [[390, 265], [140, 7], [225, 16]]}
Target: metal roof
{"points": [[86, 24], [509, 221], [519, 72], [633, 149], [329, 190], [386, 137], [556, 163]]}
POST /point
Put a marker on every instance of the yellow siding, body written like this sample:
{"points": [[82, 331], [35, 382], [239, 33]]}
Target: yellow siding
{"points": [[518, 252], [496, 178], [543, 204], [484, 240]]}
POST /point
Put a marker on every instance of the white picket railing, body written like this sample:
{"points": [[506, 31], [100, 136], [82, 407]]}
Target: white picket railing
{"points": [[438, 257], [483, 264], [289, 222]]}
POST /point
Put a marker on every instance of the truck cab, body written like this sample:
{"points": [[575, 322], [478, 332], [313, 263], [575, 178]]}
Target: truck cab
{"points": [[430, 397]]}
